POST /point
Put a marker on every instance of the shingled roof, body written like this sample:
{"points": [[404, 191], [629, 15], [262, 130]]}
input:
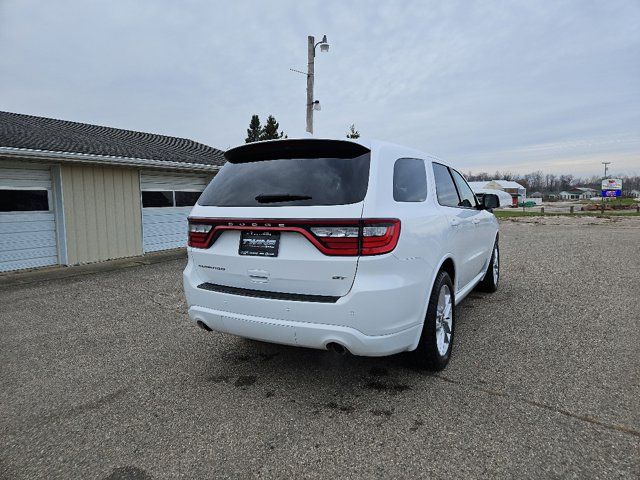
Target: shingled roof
{"points": [[40, 133]]}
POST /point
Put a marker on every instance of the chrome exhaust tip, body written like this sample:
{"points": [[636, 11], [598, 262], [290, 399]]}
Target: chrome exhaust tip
{"points": [[203, 325], [336, 347]]}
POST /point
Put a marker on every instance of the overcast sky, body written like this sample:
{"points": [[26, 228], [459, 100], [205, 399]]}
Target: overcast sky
{"points": [[517, 86]]}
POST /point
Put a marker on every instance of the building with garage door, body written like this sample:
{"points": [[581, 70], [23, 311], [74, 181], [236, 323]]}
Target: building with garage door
{"points": [[73, 193]]}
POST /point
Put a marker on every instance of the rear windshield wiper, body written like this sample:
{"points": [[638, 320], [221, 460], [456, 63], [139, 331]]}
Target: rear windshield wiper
{"points": [[280, 197]]}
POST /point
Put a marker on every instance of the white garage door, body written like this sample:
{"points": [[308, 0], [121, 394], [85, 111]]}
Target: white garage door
{"points": [[27, 221], [167, 199]]}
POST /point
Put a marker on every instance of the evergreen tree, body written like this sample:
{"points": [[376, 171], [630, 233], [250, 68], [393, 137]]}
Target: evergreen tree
{"points": [[254, 131], [353, 133], [270, 130]]}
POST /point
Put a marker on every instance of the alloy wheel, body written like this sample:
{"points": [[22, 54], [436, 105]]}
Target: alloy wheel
{"points": [[444, 320]]}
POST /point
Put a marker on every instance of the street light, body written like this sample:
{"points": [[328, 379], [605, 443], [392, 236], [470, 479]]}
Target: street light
{"points": [[324, 46], [311, 53]]}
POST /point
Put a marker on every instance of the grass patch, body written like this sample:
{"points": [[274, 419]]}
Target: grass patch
{"points": [[626, 201], [520, 213]]}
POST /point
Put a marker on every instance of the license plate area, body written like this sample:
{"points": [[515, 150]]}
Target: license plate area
{"points": [[259, 244]]}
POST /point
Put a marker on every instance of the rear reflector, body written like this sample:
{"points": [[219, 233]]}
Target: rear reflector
{"points": [[371, 236]]}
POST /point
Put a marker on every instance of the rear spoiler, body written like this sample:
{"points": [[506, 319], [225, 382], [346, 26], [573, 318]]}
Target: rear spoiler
{"points": [[298, 148]]}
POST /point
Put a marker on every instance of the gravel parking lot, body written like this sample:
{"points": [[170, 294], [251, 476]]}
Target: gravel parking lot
{"points": [[103, 376]]}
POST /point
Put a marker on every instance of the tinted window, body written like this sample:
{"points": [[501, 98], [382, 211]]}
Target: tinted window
{"points": [[186, 199], [23, 200], [445, 188], [157, 199], [467, 197], [409, 180], [289, 181]]}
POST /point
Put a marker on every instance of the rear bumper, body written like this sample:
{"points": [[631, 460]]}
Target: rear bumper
{"points": [[304, 334], [382, 314]]}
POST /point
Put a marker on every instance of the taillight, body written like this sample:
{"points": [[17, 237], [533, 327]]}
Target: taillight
{"points": [[372, 236], [379, 236], [366, 237], [199, 234], [337, 239]]}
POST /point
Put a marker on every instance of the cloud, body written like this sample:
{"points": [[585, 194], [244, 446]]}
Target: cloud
{"points": [[480, 83]]}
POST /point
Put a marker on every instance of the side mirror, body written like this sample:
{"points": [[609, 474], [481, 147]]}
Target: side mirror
{"points": [[490, 201]]}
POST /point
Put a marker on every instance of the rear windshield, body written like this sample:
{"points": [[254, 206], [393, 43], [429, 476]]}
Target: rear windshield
{"points": [[289, 181]]}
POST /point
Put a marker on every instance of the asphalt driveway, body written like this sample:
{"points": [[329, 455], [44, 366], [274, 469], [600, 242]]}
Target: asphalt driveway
{"points": [[103, 376]]}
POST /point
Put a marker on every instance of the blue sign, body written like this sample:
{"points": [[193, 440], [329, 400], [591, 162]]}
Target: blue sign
{"points": [[611, 193]]}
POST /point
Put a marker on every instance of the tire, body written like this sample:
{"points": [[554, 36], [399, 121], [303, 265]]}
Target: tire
{"points": [[491, 279], [436, 341]]}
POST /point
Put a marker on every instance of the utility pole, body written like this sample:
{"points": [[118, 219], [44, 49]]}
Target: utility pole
{"points": [[311, 53], [606, 164]]}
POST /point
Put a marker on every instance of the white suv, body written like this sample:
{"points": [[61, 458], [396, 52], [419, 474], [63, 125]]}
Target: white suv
{"points": [[341, 245]]}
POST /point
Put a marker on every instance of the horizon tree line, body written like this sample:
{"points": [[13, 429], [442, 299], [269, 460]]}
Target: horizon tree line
{"points": [[539, 181]]}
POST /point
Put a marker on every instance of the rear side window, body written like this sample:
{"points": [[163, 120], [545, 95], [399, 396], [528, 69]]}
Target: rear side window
{"points": [[445, 188], [409, 180], [467, 197], [289, 181]]}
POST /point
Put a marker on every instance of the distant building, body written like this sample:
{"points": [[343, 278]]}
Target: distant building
{"points": [[518, 192], [536, 195], [578, 193], [504, 199]]}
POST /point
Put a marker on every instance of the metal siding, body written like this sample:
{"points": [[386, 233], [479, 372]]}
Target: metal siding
{"points": [[151, 180], [110, 199], [102, 210], [166, 228], [27, 239]]}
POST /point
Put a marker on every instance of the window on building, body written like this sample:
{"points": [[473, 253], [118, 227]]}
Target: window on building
{"points": [[186, 199], [409, 180], [23, 200], [445, 188], [157, 199], [467, 197]]}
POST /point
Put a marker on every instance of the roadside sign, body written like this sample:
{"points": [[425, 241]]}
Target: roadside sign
{"points": [[612, 184], [612, 187], [611, 193]]}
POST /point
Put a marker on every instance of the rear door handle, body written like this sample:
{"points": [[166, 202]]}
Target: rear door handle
{"points": [[476, 221], [455, 222]]}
